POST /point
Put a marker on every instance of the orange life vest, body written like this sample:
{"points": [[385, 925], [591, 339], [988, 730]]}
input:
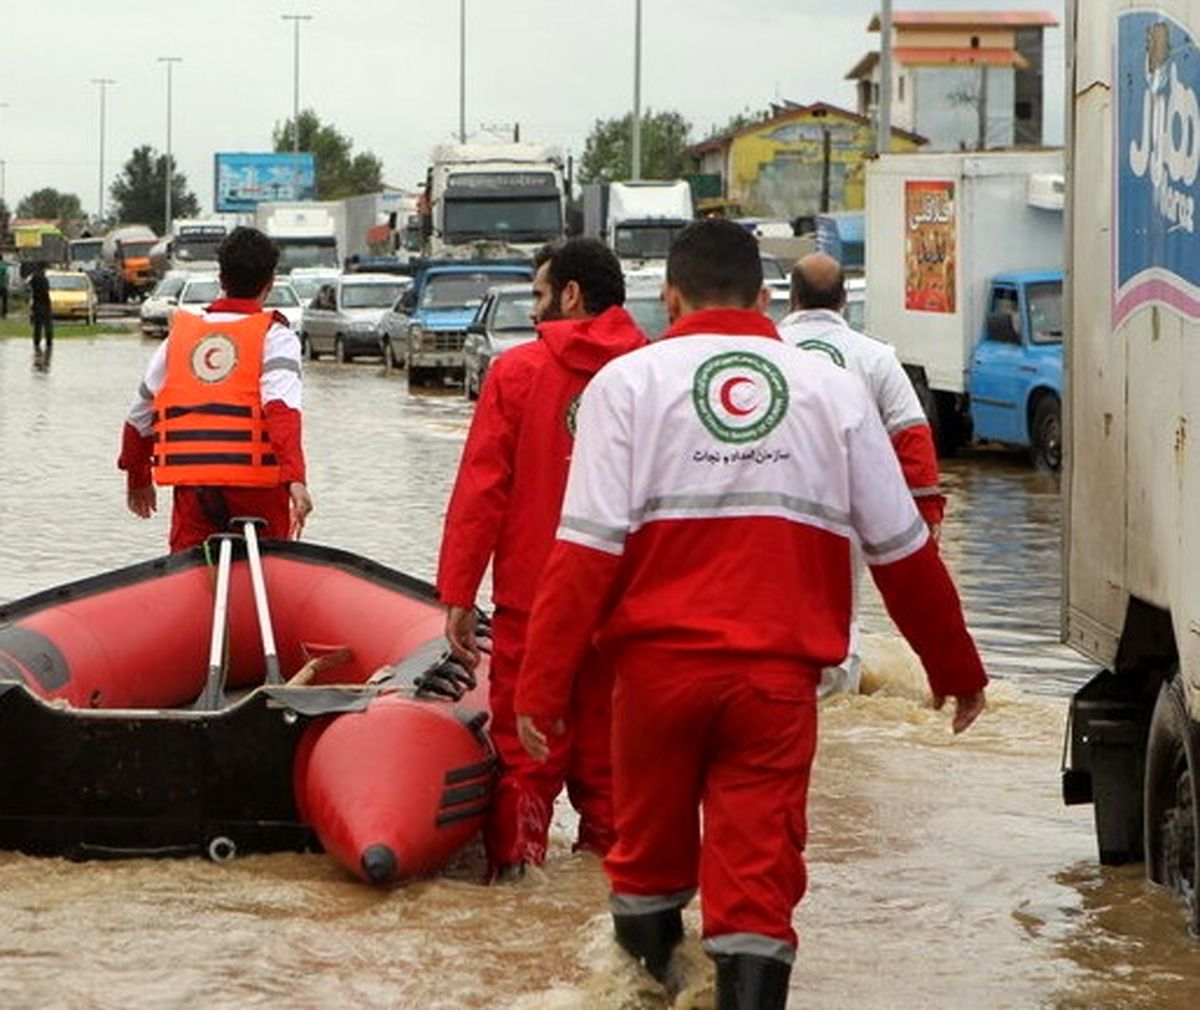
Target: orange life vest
{"points": [[208, 417]]}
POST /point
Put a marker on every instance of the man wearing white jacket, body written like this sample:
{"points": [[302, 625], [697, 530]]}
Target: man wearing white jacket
{"points": [[816, 324]]}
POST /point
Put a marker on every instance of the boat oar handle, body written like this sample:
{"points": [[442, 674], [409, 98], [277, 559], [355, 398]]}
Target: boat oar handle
{"points": [[249, 527], [212, 696]]}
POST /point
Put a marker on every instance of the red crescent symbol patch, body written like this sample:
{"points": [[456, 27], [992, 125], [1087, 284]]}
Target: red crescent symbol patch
{"points": [[727, 389], [208, 358]]}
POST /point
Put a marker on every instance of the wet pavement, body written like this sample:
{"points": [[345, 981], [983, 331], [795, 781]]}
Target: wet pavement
{"points": [[944, 872]]}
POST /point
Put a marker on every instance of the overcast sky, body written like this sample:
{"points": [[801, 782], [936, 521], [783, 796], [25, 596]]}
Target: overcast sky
{"points": [[385, 72]]}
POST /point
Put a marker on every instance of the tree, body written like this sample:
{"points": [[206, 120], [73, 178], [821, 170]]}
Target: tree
{"points": [[607, 157], [339, 173], [139, 193], [739, 122], [50, 205]]}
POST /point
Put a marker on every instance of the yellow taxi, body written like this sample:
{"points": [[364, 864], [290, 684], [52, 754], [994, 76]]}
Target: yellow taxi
{"points": [[71, 295]]}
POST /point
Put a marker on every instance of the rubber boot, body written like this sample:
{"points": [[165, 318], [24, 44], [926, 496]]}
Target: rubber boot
{"points": [[750, 982], [651, 938]]}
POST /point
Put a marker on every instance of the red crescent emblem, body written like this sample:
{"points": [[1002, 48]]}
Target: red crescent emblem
{"points": [[727, 389], [208, 361]]}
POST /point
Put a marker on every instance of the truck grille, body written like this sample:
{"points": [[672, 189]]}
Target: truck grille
{"points": [[445, 341]]}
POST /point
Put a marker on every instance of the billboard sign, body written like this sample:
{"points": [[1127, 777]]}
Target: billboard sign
{"points": [[930, 236], [1156, 254], [244, 180]]}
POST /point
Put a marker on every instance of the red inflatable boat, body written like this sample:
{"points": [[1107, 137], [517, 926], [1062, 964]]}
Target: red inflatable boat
{"points": [[375, 750]]}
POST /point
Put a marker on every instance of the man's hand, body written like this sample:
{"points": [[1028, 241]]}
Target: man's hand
{"points": [[142, 501], [533, 739], [460, 633], [301, 506], [967, 708], [935, 531]]}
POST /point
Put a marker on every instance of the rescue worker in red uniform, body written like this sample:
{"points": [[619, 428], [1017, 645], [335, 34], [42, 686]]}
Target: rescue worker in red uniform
{"points": [[718, 481], [505, 507], [217, 415]]}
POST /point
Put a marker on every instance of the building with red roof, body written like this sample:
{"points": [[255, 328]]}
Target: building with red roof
{"points": [[962, 79]]}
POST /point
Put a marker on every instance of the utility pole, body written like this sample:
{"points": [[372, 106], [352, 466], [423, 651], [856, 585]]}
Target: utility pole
{"points": [[637, 92], [462, 71], [983, 106], [3, 106], [170, 61], [295, 19], [104, 83], [883, 113]]}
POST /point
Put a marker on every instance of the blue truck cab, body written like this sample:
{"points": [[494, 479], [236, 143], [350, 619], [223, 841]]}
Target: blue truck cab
{"points": [[441, 305], [1015, 385]]}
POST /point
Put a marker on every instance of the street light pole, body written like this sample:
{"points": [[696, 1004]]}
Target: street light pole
{"points": [[295, 19], [104, 83], [883, 119], [462, 71], [169, 61], [637, 91]]}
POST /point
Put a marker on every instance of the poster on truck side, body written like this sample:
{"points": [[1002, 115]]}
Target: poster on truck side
{"points": [[930, 246], [243, 179], [1156, 255]]}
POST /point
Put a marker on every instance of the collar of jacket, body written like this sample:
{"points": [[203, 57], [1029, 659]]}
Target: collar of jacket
{"points": [[814, 316], [724, 322], [242, 306]]}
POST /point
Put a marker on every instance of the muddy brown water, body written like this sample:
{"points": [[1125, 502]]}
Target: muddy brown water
{"points": [[945, 873]]}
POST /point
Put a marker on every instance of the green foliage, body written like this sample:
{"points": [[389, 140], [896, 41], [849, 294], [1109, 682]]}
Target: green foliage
{"points": [[139, 193], [339, 172], [739, 122], [608, 157], [51, 205]]}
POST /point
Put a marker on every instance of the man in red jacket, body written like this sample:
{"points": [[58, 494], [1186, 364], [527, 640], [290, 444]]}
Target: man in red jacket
{"points": [[505, 508], [217, 415], [718, 481]]}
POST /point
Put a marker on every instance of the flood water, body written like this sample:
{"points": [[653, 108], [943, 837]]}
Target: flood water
{"points": [[945, 873]]}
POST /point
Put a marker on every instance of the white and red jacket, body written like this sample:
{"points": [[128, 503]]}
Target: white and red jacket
{"points": [[280, 391], [718, 479], [826, 332], [509, 489]]}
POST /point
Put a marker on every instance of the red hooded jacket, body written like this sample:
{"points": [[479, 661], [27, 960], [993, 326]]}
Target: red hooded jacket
{"points": [[513, 472]]}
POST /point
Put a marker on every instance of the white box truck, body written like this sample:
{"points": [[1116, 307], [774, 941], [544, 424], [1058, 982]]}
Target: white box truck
{"points": [[964, 257], [308, 233], [1132, 479], [638, 220]]}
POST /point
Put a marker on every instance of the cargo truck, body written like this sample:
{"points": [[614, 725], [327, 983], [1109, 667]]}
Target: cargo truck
{"points": [[493, 201], [1132, 478], [192, 245], [964, 257], [309, 234], [126, 252], [637, 220]]}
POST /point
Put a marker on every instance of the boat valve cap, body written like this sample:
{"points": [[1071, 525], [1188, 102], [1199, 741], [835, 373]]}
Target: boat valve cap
{"points": [[379, 863]]}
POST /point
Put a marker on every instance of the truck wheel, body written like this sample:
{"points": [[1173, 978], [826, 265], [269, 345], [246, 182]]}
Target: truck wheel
{"points": [[1172, 804], [1045, 433], [417, 377], [340, 354]]}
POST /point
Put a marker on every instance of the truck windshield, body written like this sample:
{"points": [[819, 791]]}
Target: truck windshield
{"points": [[1046, 312], [86, 252], [305, 253], [194, 250], [134, 250], [370, 296], [646, 241], [515, 220], [461, 291]]}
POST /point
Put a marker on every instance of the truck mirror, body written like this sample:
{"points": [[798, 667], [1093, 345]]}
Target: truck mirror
{"points": [[1000, 327], [408, 303]]}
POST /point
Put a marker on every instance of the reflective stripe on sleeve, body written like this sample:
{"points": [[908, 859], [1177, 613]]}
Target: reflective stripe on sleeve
{"points": [[897, 543]]}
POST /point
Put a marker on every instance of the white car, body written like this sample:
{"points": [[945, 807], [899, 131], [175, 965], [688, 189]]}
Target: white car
{"points": [[856, 303], [198, 291], [307, 281], [284, 300], [155, 313]]}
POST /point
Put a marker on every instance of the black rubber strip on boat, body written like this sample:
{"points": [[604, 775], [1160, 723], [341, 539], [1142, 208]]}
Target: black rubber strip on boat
{"points": [[463, 794], [463, 814], [468, 772]]}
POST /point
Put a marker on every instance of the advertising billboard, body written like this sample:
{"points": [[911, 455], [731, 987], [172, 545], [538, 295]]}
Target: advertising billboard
{"points": [[244, 180], [929, 246]]}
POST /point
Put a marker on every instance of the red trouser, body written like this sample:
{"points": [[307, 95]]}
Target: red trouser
{"points": [[740, 742], [200, 512], [519, 821]]}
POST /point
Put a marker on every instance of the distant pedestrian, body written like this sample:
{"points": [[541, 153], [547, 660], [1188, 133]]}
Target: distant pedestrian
{"points": [[39, 309], [3, 289]]}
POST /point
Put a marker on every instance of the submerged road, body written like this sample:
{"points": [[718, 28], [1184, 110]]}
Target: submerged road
{"points": [[944, 873]]}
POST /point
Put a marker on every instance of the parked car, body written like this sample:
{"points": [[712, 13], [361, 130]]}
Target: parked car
{"points": [[155, 313], [345, 318], [71, 295], [284, 300], [308, 281], [856, 303], [504, 321]]}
